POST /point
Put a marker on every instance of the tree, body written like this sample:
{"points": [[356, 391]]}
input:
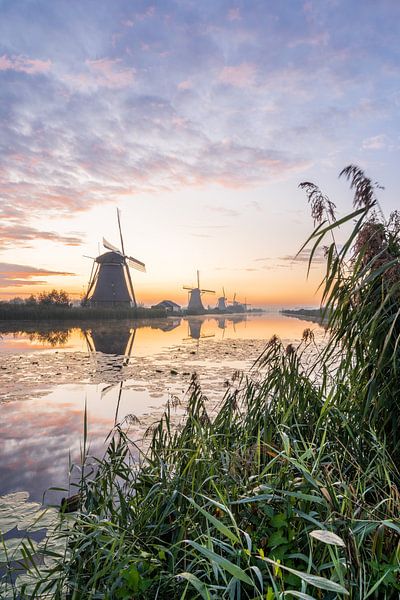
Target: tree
{"points": [[54, 298], [31, 300]]}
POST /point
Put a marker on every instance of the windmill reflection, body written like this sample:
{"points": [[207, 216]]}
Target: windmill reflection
{"points": [[194, 329], [116, 340], [224, 322]]}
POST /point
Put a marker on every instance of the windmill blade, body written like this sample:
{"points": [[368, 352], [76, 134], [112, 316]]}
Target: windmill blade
{"points": [[209, 291], [136, 264], [186, 287], [120, 230], [110, 246], [86, 256]]}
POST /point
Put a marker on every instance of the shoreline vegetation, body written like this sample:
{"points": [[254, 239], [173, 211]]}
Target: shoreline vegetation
{"points": [[38, 312], [289, 490], [315, 315]]}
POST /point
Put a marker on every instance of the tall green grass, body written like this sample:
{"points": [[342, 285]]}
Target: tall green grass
{"points": [[291, 488]]}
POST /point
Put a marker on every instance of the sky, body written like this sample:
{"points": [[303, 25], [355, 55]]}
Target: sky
{"points": [[198, 119]]}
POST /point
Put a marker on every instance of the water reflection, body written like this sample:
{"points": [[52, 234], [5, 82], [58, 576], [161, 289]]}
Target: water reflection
{"points": [[150, 336], [118, 341], [41, 438], [39, 434], [194, 329]]}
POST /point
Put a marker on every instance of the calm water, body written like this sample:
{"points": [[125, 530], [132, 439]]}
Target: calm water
{"points": [[48, 375]]}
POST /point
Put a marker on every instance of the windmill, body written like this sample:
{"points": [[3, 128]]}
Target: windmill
{"points": [[195, 305], [110, 282], [221, 306], [236, 306]]}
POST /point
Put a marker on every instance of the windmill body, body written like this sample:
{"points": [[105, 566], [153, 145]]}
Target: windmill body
{"points": [[222, 300], [111, 286], [110, 281], [195, 303], [221, 304]]}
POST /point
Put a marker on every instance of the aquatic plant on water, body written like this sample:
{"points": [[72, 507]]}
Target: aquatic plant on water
{"points": [[289, 490]]}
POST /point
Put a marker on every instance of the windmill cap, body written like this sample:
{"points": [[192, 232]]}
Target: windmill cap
{"points": [[113, 258]]}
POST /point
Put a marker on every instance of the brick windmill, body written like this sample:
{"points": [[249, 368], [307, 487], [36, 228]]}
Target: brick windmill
{"points": [[195, 305], [110, 281]]}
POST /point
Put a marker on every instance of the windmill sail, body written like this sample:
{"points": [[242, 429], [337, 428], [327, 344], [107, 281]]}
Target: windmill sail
{"points": [[110, 246], [136, 264]]}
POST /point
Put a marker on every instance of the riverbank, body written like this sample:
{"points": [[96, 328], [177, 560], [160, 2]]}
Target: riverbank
{"points": [[38, 312]]}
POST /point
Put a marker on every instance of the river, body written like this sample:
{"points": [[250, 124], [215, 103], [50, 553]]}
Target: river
{"points": [[116, 372]]}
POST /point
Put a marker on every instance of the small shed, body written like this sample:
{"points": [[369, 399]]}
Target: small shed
{"points": [[169, 306]]}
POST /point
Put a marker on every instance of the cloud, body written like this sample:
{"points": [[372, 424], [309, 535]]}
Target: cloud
{"points": [[23, 64], [240, 76], [234, 14], [185, 85], [103, 72], [14, 275], [320, 38], [254, 205], [110, 73], [14, 232], [377, 142], [304, 256], [141, 100], [226, 212]]}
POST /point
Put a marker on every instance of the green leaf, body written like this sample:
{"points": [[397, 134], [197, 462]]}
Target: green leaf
{"points": [[319, 582], [221, 527], [301, 595], [279, 520], [197, 584], [224, 563], [277, 539]]}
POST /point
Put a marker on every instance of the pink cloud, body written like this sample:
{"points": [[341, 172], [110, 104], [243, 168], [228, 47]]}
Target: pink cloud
{"points": [[234, 14], [109, 73], [238, 75], [103, 72], [319, 39], [185, 85], [12, 275], [24, 65]]}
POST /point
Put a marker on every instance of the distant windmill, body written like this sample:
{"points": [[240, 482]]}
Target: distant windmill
{"points": [[195, 305], [221, 306], [236, 306], [110, 281]]}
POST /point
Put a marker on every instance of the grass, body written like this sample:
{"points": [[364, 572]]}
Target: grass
{"points": [[291, 489]]}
